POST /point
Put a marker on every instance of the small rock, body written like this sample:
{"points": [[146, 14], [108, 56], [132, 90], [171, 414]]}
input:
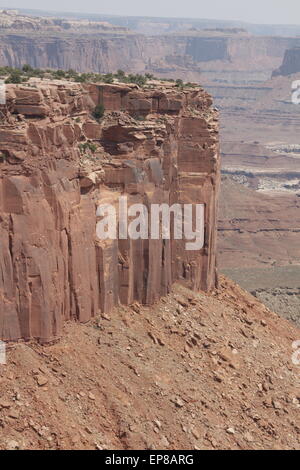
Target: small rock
{"points": [[14, 414], [91, 396], [164, 443], [178, 402], [41, 380], [12, 445], [218, 378], [161, 342], [5, 404], [151, 335], [277, 405], [136, 307], [182, 302], [105, 316], [195, 434], [230, 431], [248, 437]]}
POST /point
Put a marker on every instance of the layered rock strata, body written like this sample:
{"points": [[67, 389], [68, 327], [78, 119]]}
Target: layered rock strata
{"points": [[58, 163]]}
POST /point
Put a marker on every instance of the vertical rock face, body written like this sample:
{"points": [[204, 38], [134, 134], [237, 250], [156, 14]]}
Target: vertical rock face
{"points": [[192, 55], [58, 163], [290, 64], [208, 49], [99, 53]]}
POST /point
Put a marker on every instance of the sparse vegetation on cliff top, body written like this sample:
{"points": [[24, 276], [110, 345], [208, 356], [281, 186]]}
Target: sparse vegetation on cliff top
{"points": [[22, 75]]}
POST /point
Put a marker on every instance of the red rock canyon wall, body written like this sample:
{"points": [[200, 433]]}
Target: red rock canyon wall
{"points": [[154, 145]]}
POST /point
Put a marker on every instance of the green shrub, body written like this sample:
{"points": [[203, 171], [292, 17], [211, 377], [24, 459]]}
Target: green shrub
{"points": [[36, 73], [27, 68], [87, 146], [14, 77], [179, 83], [108, 78], [120, 74], [59, 74], [72, 73], [99, 111], [80, 78], [140, 80], [149, 76]]}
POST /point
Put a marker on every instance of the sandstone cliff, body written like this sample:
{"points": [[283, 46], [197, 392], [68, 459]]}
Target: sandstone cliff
{"points": [[57, 163], [98, 53], [290, 64]]}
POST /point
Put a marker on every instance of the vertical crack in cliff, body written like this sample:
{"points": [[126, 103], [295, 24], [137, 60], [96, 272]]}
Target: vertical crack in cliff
{"points": [[74, 301]]}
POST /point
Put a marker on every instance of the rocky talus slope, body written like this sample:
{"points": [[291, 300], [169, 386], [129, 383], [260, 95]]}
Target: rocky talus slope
{"points": [[58, 163], [195, 371]]}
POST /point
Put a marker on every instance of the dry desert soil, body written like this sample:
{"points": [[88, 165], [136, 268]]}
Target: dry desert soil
{"points": [[194, 371]]}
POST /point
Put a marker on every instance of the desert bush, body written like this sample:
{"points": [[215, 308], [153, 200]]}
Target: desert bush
{"points": [[27, 68], [179, 83], [59, 74], [108, 78], [120, 74], [99, 111], [14, 77], [140, 80], [87, 146]]}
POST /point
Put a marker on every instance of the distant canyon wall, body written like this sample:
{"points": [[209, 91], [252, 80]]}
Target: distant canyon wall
{"points": [[208, 55], [99, 54], [290, 64]]}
